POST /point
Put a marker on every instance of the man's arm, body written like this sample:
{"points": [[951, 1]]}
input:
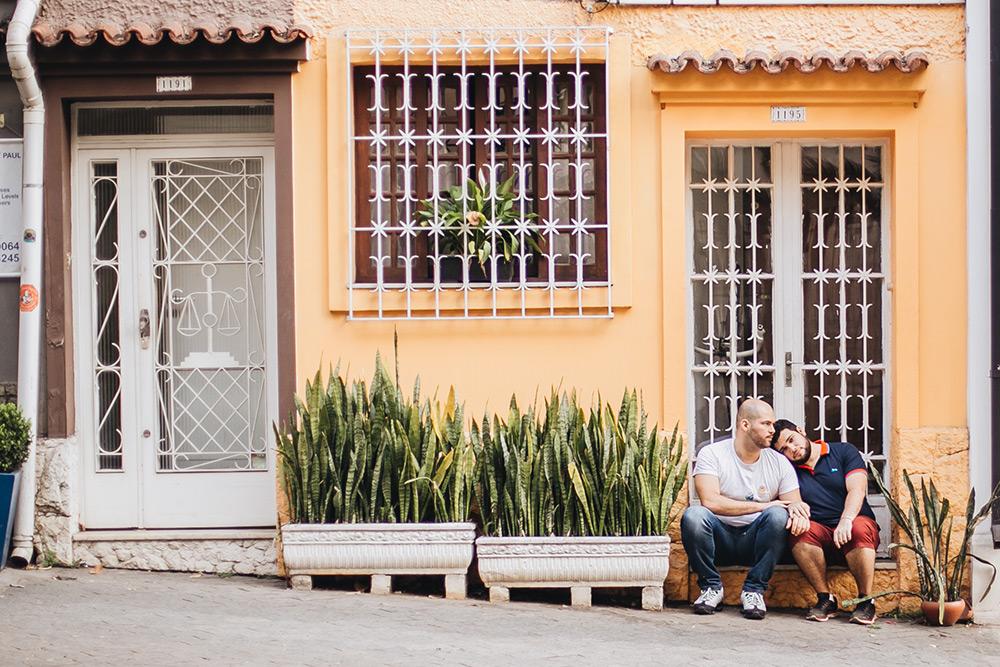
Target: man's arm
{"points": [[857, 487], [798, 512], [707, 487]]}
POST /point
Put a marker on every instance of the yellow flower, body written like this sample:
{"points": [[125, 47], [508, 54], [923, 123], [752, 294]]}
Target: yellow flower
{"points": [[473, 217]]}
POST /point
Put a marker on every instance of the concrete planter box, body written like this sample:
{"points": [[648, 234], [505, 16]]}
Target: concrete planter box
{"points": [[577, 563], [380, 550]]}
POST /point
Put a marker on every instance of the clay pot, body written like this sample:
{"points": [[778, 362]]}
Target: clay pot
{"points": [[952, 611], [967, 613]]}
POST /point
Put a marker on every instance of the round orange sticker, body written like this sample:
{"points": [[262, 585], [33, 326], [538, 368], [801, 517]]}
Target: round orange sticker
{"points": [[29, 298]]}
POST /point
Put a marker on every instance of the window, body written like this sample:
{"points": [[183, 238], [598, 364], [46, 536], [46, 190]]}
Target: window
{"points": [[481, 166]]}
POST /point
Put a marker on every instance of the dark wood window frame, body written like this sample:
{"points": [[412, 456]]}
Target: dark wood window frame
{"points": [[477, 155]]}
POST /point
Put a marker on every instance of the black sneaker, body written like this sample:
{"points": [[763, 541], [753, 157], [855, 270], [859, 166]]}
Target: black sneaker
{"points": [[864, 613], [826, 607], [709, 602]]}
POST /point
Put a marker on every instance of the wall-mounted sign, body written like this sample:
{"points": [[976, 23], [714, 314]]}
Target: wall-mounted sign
{"points": [[173, 84], [10, 207], [788, 114]]}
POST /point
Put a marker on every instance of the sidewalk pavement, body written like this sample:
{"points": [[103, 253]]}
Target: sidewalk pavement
{"points": [[67, 616]]}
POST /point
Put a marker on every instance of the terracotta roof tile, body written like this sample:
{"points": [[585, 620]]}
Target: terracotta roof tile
{"points": [[241, 27], [906, 63]]}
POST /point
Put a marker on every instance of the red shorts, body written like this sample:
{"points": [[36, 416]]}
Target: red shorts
{"points": [[864, 534]]}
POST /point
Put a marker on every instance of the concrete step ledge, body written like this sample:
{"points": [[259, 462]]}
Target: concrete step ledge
{"points": [[227, 551], [785, 567], [174, 535]]}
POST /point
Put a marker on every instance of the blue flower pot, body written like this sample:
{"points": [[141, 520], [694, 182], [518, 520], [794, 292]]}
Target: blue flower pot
{"points": [[9, 484]]}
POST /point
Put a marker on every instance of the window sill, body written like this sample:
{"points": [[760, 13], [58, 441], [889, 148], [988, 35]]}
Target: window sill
{"points": [[479, 301]]}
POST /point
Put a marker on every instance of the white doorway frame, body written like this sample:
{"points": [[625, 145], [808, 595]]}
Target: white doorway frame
{"points": [[124, 515]]}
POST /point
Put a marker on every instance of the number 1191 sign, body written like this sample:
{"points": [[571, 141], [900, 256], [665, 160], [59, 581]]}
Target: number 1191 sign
{"points": [[11, 234]]}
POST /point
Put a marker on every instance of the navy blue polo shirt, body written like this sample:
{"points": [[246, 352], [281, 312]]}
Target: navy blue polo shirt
{"points": [[825, 486]]}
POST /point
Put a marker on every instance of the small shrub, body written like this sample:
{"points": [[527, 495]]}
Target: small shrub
{"points": [[15, 435]]}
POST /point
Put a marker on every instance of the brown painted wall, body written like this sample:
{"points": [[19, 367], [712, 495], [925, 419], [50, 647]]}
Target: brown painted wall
{"points": [[60, 93]]}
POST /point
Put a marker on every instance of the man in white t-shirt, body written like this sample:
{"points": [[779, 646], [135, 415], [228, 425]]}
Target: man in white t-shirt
{"points": [[748, 500]]}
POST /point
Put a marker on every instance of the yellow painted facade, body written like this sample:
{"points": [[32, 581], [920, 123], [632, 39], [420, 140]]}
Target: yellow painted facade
{"points": [[653, 115]]}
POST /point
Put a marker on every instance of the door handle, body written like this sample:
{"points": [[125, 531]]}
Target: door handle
{"points": [[144, 328], [722, 349], [788, 369]]}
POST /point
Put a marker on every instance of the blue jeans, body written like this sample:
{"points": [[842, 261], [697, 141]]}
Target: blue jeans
{"points": [[710, 542]]}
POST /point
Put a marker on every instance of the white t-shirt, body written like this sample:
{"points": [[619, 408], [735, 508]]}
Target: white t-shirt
{"points": [[763, 481]]}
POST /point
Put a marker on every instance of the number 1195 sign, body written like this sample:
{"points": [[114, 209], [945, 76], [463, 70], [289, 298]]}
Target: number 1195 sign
{"points": [[11, 235]]}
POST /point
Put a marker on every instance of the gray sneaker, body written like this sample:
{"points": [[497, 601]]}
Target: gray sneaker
{"points": [[709, 602], [753, 605]]}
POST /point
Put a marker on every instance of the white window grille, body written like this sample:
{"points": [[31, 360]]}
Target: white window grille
{"points": [[481, 173], [788, 288]]}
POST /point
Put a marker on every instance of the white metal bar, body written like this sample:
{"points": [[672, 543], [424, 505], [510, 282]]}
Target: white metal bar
{"points": [[463, 42]]}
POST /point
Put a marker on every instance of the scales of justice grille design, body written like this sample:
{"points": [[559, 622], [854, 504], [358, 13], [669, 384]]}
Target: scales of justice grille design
{"points": [[810, 336], [208, 272], [440, 107]]}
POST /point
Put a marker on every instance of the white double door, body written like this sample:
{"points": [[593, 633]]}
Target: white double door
{"points": [[174, 309], [787, 285]]}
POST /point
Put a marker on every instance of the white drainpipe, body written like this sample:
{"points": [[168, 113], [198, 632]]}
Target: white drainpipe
{"points": [[29, 333]]}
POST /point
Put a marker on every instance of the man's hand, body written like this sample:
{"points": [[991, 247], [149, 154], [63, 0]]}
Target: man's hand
{"points": [[800, 509], [797, 524], [842, 533]]}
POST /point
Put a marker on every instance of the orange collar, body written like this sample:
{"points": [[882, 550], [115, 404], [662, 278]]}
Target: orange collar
{"points": [[824, 449]]}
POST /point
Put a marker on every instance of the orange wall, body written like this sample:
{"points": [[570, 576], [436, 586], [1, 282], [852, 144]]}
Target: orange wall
{"points": [[644, 344], [653, 114]]}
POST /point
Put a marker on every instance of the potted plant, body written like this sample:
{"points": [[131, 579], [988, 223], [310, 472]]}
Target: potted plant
{"points": [[376, 485], [474, 222], [941, 562], [15, 436], [568, 501]]}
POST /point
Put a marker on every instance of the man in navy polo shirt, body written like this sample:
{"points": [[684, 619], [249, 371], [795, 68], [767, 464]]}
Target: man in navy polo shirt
{"points": [[833, 480]]}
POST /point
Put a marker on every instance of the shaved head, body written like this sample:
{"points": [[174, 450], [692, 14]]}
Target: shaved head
{"points": [[752, 410], [754, 424]]}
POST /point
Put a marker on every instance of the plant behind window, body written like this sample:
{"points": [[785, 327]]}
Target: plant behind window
{"points": [[478, 221]]}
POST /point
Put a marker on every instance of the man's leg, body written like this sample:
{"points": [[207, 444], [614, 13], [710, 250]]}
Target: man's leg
{"points": [[860, 554], [861, 563], [807, 549], [762, 546], [699, 528]]}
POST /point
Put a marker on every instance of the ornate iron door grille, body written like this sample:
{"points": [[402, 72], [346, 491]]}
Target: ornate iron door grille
{"points": [[732, 283], [107, 350], [807, 334], [208, 272], [844, 292]]}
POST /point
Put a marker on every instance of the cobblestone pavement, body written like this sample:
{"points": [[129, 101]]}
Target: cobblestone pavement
{"points": [[72, 617]]}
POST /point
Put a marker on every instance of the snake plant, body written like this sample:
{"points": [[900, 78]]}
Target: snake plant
{"points": [[567, 473], [927, 525], [350, 454]]}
